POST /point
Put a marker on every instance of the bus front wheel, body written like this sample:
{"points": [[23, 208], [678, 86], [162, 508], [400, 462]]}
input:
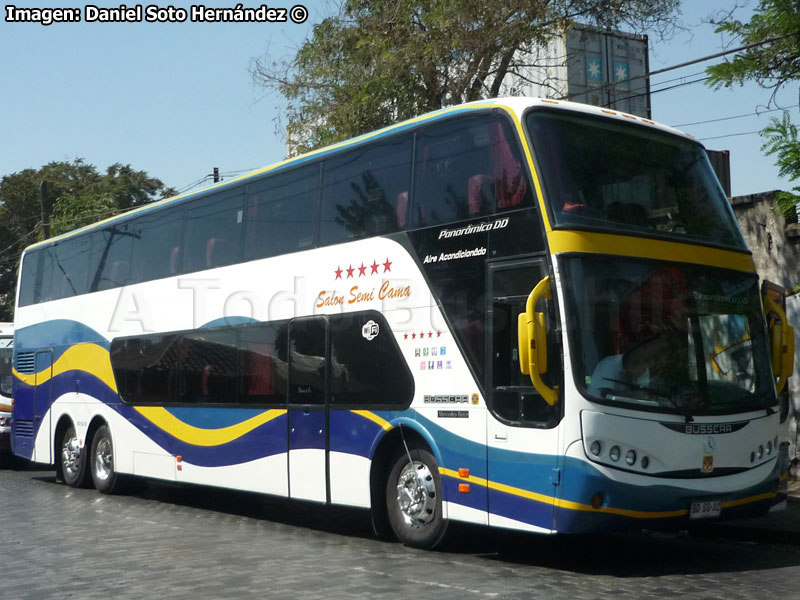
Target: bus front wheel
{"points": [[73, 459], [102, 457], [414, 499]]}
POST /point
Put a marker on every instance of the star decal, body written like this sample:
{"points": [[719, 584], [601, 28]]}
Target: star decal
{"points": [[374, 266], [438, 334], [362, 270], [338, 272], [405, 336], [350, 270], [387, 266], [413, 336], [430, 334]]}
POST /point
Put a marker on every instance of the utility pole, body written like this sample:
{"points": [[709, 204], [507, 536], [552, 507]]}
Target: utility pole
{"points": [[45, 209]]}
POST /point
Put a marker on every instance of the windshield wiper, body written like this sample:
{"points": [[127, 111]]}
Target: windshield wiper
{"points": [[683, 409]]}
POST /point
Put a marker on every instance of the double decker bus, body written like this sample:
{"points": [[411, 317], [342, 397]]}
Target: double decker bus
{"points": [[519, 313]]}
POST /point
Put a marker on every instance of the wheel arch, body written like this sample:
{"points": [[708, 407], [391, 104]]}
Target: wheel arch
{"points": [[382, 453], [96, 423]]}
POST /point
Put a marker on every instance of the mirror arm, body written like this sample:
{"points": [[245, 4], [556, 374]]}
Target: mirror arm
{"points": [[542, 290]]}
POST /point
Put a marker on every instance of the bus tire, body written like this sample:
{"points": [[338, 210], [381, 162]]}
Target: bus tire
{"points": [[414, 499], [104, 476], [73, 460]]}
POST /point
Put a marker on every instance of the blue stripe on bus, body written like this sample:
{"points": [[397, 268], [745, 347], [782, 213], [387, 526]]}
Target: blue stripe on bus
{"points": [[57, 335]]}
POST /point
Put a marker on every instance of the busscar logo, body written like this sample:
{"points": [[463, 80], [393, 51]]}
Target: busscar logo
{"points": [[706, 428]]}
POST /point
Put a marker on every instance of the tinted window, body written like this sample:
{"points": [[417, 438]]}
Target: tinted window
{"points": [[213, 232], [606, 174], [307, 360], [465, 168], [68, 269], [145, 367], [207, 366], [365, 191], [157, 250], [263, 368], [31, 283], [110, 260], [281, 213], [367, 366]]}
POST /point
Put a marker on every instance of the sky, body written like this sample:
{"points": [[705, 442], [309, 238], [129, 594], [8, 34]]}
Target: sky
{"points": [[177, 99]]}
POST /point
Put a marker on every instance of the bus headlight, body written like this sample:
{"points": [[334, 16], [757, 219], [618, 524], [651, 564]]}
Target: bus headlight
{"points": [[630, 457], [613, 454], [595, 448]]}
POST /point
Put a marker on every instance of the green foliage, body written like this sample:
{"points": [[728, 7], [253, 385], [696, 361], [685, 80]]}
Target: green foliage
{"points": [[773, 63], [781, 141], [381, 61], [79, 195]]}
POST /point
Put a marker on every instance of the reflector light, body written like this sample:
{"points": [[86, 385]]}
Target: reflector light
{"points": [[597, 500], [463, 488], [463, 472]]}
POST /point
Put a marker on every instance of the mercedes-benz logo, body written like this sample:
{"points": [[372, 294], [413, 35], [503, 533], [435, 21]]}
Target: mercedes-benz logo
{"points": [[708, 445]]}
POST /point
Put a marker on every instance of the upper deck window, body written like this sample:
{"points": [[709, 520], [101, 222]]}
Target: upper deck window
{"points": [[604, 174], [467, 168]]}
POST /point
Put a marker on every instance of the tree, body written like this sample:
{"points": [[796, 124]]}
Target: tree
{"points": [[773, 61], [380, 61], [79, 195]]}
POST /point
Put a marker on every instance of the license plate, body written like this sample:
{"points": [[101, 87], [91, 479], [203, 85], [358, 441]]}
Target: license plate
{"points": [[707, 509]]}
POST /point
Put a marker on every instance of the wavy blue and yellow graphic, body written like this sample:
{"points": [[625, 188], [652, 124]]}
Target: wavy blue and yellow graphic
{"points": [[521, 488]]}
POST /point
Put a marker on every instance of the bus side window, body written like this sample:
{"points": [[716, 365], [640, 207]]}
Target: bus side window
{"points": [[109, 263], [69, 268], [263, 366], [362, 189], [468, 168], [155, 237], [281, 213], [213, 233], [30, 285]]}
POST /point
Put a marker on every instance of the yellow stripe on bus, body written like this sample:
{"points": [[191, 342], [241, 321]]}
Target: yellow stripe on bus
{"points": [[567, 504], [383, 423], [198, 436], [87, 357], [605, 243], [6, 407]]}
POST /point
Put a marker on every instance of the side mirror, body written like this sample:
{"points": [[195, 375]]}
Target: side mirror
{"points": [[532, 341], [781, 344]]}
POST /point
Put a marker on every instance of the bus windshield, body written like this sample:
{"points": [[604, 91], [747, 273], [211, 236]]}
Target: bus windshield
{"points": [[673, 338], [605, 174]]}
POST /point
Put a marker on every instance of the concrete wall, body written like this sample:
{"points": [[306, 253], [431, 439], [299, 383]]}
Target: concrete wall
{"points": [[775, 243]]}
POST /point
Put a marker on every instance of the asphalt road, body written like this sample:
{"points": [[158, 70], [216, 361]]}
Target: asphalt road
{"points": [[190, 542]]}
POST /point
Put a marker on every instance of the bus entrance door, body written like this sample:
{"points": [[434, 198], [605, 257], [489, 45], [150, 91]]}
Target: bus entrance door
{"points": [[308, 408], [42, 397], [520, 438]]}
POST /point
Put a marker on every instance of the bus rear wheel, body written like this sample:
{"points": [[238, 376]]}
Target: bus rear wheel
{"points": [[103, 474], [414, 499], [73, 459]]}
